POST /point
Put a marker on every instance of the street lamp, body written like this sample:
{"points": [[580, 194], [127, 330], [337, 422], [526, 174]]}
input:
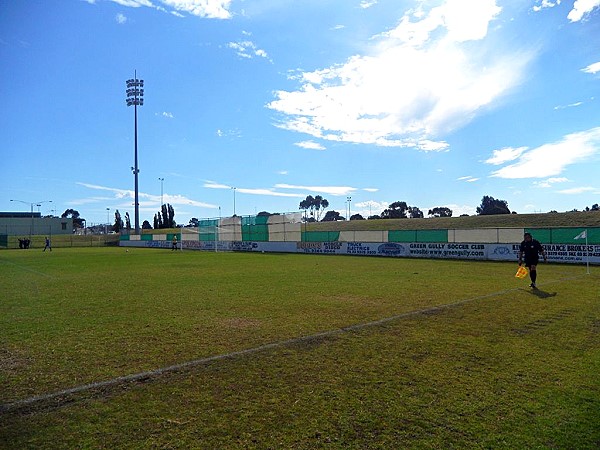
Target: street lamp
{"points": [[31, 204], [161, 191], [135, 97], [107, 221]]}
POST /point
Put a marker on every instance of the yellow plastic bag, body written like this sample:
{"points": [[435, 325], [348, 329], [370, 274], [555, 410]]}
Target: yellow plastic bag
{"points": [[521, 272]]}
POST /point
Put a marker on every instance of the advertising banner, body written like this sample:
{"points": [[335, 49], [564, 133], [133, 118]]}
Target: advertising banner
{"points": [[560, 253]]}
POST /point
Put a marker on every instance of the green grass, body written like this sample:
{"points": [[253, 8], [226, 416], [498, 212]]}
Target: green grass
{"points": [[505, 367], [568, 219]]}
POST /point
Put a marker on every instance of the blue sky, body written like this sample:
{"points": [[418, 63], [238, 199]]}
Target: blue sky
{"points": [[435, 103]]}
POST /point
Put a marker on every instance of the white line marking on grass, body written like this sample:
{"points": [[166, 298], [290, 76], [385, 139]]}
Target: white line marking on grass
{"points": [[204, 361], [27, 269]]}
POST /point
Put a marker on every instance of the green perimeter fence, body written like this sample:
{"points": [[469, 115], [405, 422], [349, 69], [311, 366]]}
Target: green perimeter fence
{"points": [[259, 232], [544, 235]]}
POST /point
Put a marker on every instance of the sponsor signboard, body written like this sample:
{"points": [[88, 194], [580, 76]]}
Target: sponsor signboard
{"points": [[561, 253]]}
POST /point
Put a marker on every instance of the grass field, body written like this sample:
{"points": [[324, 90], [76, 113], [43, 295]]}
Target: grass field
{"points": [[469, 358]]}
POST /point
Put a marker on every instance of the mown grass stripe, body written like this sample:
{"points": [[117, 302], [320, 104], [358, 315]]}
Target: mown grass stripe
{"points": [[152, 374]]}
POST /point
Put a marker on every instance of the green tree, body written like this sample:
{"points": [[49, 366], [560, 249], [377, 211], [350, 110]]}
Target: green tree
{"points": [[146, 225], [396, 210], [118, 225], [357, 217], [491, 206], [414, 213], [157, 221], [314, 205], [332, 216], [128, 221], [165, 217], [440, 211], [73, 214]]}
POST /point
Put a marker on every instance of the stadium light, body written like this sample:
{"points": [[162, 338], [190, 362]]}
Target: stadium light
{"points": [[135, 97], [234, 189], [161, 191], [348, 199]]}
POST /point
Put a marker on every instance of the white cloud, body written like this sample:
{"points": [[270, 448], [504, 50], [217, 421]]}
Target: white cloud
{"points": [[311, 145], [549, 182], [369, 208], [551, 159], [572, 105], [468, 179], [579, 190], [364, 4], [592, 68], [545, 4], [424, 78], [214, 185], [248, 50], [150, 198], [332, 190], [504, 155], [581, 9], [229, 133], [168, 115], [209, 9], [268, 192], [134, 3], [120, 18]]}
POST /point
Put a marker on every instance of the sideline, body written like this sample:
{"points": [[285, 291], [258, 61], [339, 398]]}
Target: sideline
{"points": [[27, 269], [152, 374]]}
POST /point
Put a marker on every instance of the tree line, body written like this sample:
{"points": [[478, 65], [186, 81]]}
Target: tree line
{"points": [[397, 210], [314, 207]]}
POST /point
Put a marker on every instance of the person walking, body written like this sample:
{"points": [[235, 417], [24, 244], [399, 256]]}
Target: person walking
{"points": [[47, 244], [530, 249]]}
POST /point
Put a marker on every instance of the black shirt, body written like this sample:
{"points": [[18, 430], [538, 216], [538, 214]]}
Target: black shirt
{"points": [[531, 249]]}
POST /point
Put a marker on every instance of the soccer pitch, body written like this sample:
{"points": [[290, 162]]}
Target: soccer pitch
{"points": [[103, 348]]}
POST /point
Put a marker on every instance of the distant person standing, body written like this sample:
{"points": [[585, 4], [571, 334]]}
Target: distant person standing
{"points": [[530, 249], [47, 245], [174, 243]]}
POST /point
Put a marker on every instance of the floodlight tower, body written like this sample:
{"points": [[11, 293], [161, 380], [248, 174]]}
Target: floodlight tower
{"points": [[161, 190], [349, 199], [135, 97], [234, 189]]}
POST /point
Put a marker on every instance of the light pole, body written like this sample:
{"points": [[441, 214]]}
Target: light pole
{"points": [[135, 97], [107, 220], [161, 190], [31, 204], [234, 189], [348, 199]]}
